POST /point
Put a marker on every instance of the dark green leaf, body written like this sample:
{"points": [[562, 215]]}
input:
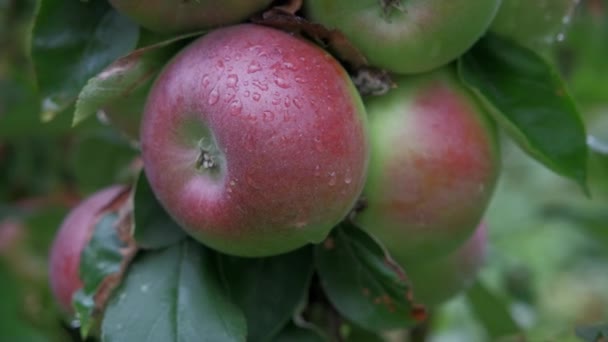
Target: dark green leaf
{"points": [[101, 160], [173, 294], [154, 228], [268, 289], [592, 333], [120, 80], [293, 333], [362, 282], [101, 258], [492, 312], [73, 41], [531, 102]]}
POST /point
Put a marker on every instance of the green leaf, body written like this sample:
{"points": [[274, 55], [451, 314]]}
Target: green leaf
{"points": [[592, 333], [154, 228], [531, 102], [173, 294], [113, 158], [492, 312], [126, 76], [362, 282], [72, 41], [268, 290], [101, 258], [293, 333]]}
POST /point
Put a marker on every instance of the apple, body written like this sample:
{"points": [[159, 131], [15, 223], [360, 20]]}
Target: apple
{"points": [[433, 166], [410, 36], [255, 141], [437, 280], [535, 24], [171, 16], [73, 236]]}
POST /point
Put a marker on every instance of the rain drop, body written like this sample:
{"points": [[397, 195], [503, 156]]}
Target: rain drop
{"points": [[236, 107], [214, 96], [281, 82], [268, 115], [332, 178], [297, 102], [232, 81], [254, 67], [256, 97]]}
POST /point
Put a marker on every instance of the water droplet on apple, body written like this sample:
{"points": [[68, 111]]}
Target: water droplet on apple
{"points": [[268, 116], [317, 171], [281, 82], [290, 66], [348, 178], [232, 81], [236, 107], [300, 80], [319, 144], [205, 81], [332, 178], [214, 96], [219, 64], [297, 102], [256, 97], [260, 85], [287, 101], [254, 67]]}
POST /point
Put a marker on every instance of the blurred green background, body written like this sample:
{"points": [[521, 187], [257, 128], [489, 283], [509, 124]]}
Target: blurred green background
{"points": [[548, 264]]}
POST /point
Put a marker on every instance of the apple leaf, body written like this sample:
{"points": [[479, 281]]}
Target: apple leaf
{"points": [[154, 228], [592, 333], [492, 312], [294, 333], [71, 42], [174, 294], [531, 102], [125, 77], [103, 261], [362, 282], [268, 290]]}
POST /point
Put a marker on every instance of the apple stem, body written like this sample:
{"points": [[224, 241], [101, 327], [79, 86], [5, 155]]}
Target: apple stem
{"points": [[205, 160]]}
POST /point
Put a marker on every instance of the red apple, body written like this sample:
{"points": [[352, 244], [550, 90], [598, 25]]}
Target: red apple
{"points": [[71, 239], [435, 281], [433, 166], [255, 141], [175, 16], [410, 36]]}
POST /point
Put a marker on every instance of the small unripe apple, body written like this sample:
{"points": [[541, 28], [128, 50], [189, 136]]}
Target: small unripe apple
{"points": [[410, 36], [433, 166], [255, 141], [533, 23], [71, 239], [435, 281], [179, 16]]}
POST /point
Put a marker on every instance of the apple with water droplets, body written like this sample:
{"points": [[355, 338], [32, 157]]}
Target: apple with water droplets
{"points": [[171, 16], [409, 36], [433, 166], [72, 238], [255, 141]]}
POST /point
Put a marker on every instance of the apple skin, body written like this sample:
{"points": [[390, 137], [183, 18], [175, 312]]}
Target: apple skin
{"points": [[180, 16], [285, 127], [73, 236], [433, 167], [435, 281], [420, 36], [535, 24]]}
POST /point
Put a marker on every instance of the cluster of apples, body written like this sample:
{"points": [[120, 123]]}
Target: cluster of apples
{"points": [[257, 142]]}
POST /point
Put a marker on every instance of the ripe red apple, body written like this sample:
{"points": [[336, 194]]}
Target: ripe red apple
{"points": [[435, 281], [410, 36], [533, 23], [255, 141], [73, 236], [433, 166], [171, 16]]}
